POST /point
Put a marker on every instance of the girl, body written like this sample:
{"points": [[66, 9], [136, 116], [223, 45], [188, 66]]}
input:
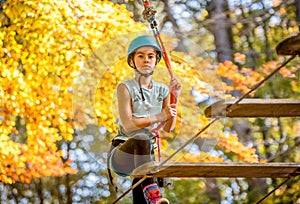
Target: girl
{"points": [[143, 104]]}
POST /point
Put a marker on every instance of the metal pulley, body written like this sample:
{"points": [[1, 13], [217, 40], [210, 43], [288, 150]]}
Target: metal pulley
{"points": [[149, 14]]}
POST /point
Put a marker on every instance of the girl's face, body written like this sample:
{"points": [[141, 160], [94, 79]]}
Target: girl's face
{"points": [[145, 59]]}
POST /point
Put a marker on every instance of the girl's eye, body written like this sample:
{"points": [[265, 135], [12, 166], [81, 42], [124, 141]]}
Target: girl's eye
{"points": [[141, 56]]}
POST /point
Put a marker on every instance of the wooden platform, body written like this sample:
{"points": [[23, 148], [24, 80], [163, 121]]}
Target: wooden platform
{"points": [[229, 170], [255, 108]]}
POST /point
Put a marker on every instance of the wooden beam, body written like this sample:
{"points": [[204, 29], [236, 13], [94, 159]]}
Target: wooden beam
{"points": [[289, 46], [229, 170], [255, 108]]}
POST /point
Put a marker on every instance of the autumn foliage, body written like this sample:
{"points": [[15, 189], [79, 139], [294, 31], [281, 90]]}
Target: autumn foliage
{"points": [[243, 79], [43, 44], [60, 64]]}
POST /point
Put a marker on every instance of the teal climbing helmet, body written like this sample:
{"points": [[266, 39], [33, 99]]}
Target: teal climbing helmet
{"points": [[141, 41]]}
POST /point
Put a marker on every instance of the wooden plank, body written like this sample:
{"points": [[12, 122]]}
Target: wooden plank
{"points": [[229, 170], [255, 108]]}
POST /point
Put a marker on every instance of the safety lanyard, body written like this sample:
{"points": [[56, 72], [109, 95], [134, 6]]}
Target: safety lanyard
{"points": [[149, 15]]}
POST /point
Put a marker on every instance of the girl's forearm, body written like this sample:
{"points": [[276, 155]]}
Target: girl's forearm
{"points": [[138, 123], [170, 124]]}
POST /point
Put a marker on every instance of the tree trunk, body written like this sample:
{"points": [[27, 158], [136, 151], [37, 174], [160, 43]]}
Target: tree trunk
{"points": [[68, 181], [39, 189], [221, 29], [244, 132], [257, 188], [297, 5], [170, 18], [212, 190]]}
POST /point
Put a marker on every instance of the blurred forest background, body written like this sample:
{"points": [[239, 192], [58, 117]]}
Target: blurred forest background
{"points": [[60, 62]]}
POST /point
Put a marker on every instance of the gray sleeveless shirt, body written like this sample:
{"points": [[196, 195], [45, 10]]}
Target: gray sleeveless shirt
{"points": [[151, 106]]}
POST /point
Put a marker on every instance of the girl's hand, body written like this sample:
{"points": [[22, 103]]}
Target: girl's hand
{"points": [[169, 111], [175, 88]]}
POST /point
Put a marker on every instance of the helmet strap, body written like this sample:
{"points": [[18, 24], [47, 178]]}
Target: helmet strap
{"points": [[138, 71], [142, 74]]}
